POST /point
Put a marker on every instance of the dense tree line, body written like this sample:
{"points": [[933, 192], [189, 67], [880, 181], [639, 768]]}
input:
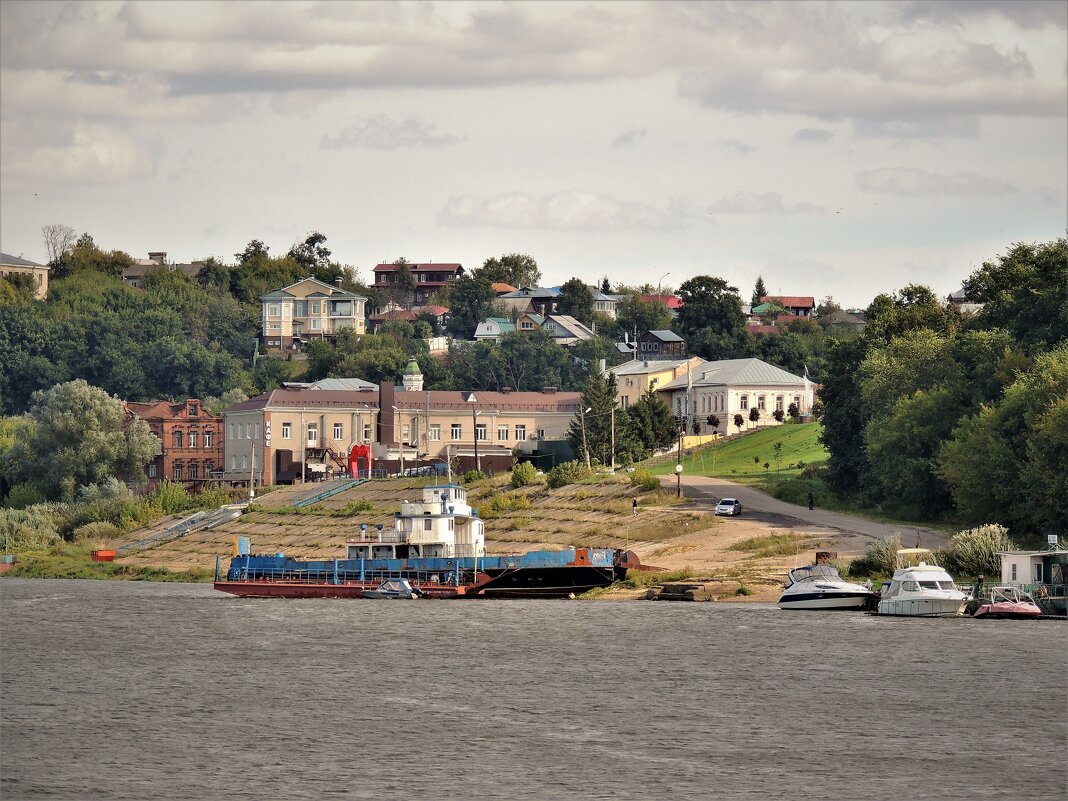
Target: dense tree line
{"points": [[931, 413]]}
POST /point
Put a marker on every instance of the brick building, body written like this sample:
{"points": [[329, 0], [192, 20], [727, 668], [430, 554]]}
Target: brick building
{"points": [[192, 440]]}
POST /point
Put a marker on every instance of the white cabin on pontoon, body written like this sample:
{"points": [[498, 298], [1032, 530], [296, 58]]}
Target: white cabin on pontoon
{"points": [[440, 526]]}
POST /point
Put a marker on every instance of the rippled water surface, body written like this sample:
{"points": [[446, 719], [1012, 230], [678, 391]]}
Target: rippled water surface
{"points": [[116, 690]]}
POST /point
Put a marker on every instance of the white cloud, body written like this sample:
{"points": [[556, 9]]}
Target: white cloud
{"points": [[630, 138], [738, 146], [382, 132], [574, 210], [93, 153], [913, 182], [766, 203], [818, 135]]}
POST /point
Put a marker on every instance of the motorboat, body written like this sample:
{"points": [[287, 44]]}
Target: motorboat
{"points": [[921, 588], [1009, 602], [394, 589], [820, 587]]}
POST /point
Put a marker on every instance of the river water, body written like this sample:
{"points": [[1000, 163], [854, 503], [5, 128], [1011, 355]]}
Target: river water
{"points": [[113, 690]]}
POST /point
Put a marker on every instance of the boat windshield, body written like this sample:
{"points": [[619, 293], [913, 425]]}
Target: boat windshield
{"points": [[813, 572]]}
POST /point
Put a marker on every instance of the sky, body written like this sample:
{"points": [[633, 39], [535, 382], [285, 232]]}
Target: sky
{"points": [[833, 149]]}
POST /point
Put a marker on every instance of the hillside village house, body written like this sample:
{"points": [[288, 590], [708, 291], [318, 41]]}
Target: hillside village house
{"points": [[134, 274], [605, 303], [309, 309], [796, 306], [15, 265], [191, 437], [736, 386], [428, 279], [534, 300], [660, 345], [308, 433], [637, 377]]}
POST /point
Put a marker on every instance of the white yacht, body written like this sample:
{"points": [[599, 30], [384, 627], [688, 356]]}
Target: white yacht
{"points": [[920, 588], [820, 587]]}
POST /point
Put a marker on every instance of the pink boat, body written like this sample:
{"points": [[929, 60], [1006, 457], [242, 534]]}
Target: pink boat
{"points": [[1009, 603]]}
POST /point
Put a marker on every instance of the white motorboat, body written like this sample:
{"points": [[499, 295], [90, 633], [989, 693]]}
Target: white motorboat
{"points": [[920, 588], [820, 587]]}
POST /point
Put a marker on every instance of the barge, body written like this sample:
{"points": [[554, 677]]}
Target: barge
{"points": [[438, 545]]}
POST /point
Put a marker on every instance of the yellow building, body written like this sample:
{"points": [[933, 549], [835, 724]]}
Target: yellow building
{"points": [[13, 265], [309, 309], [635, 378]]}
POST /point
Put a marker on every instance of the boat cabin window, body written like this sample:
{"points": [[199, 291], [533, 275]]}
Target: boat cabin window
{"points": [[946, 585], [930, 585], [910, 586]]}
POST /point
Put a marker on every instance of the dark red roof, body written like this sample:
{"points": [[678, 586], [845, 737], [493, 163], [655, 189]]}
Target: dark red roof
{"points": [[790, 301], [671, 301], [428, 267]]}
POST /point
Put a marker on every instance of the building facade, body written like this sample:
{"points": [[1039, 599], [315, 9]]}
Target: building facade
{"points": [[428, 279], [13, 265], [192, 441], [660, 345], [637, 377], [309, 309]]}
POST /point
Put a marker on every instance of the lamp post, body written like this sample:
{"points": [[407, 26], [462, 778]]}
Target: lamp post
{"points": [[582, 421], [658, 283], [678, 464]]}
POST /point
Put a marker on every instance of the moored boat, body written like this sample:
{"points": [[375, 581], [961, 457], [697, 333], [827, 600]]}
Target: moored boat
{"points": [[921, 588], [820, 587], [1010, 603], [394, 589], [438, 546]]}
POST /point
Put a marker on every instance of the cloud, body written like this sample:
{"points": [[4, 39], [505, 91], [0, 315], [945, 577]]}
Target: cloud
{"points": [[574, 210], [382, 132], [766, 203], [739, 147], [92, 153], [818, 135], [630, 138], [912, 182]]}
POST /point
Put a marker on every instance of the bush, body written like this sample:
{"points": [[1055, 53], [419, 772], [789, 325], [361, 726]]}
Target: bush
{"points": [[26, 529], [568, 473], [523, 475], [171, 497], [503, 504], [105, 490], [879, 559], [97, 531], [644, 480], [473, 475], [22, 495], [355, 507], [975, 552]]}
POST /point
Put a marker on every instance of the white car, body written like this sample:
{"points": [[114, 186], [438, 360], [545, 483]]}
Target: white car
{"points": [[729, 506]]}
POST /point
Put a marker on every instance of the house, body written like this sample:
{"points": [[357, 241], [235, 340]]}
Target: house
{"points": [[737, 386], [673, 302], [16, 265], [605, 303], [660, 345], [289, 434], [529, 322], [1044, 573], [796, 306], [375, 321], [500, 288], [309, 309], [565, 329], [493, 328], [428, 279], [134, 274], [635, 378], [192, 440], [538, 300], [842, 320], [963, 302]]}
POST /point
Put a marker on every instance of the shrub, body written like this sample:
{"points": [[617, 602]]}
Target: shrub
{"points": [[473, 475], [22, 495], [975, 552], [523, 475], [503, 504], [644, 480], [355, 507], [26, 529], [879, 559], [97, 531], [105, 490], [171, 497], [568, 473]]}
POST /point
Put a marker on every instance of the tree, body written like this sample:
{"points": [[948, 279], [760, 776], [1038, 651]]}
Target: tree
{"points": [[471, 300], [636, 316], [255, 252], [713, 421], [739, 421], [515, 269], [78, 435], [576, 300], [652, 423], [312, 253], [58, 240], [711, 319], [759, 291], [754, 415], [843, 419], [85, 256], [402, 290], [590, 433], [778, 454], [606, 286]]}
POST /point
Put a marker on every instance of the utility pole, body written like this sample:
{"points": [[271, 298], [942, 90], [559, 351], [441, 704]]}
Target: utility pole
{"points": [[474, 433], [678, 463], [585, 447], [613, 435]]}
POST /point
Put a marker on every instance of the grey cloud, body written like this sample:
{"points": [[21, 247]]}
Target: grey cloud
{"points": [[1023, 13], [381, 132], [766, 203], [819, 135], [912, 182], [574, 210], [739, 147], [959, 126], [629, 138]]}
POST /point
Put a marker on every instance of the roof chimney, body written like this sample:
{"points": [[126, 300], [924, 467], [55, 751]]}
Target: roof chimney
{"points": [[337, 282], [548, 390]]}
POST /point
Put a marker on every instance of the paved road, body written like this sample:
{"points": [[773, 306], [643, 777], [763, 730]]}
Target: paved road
{"points": [[705, 491]]}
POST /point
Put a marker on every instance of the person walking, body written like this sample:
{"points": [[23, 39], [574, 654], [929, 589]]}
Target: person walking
{"points": [[811, 501], [634, 508]]}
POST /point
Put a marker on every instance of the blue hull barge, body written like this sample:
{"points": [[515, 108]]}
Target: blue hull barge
{"points": [[438, 546]]}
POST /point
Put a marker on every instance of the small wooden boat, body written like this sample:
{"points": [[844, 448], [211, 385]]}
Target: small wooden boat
{"points": [[1009, 603], [394, 589]]}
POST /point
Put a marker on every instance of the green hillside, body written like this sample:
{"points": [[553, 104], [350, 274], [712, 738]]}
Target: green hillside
{"points": [[734, 458]]}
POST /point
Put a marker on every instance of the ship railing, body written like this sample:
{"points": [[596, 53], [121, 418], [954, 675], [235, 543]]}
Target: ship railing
{"points": [[329, 576]]}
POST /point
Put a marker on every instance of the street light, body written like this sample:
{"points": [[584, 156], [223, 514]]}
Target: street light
{"points": [[681, 420], [658, 283]]}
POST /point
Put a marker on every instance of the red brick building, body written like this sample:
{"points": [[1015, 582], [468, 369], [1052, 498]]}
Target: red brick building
{"points": [[192, 440]]}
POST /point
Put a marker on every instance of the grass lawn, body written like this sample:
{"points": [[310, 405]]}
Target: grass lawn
{"points": [[743, 458]]}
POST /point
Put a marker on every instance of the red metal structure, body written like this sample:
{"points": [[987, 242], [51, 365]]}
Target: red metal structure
{"points": [[357, 453]]}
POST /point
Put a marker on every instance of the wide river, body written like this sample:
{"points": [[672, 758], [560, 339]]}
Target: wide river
{"points": [[115, 690]]}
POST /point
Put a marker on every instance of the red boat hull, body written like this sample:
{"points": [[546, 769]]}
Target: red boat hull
{"points": [[1008, 611]]}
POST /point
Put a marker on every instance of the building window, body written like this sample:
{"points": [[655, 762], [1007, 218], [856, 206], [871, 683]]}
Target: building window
{"points": [[194, 471], [428, 524], [526, 325], [287, 430], [541, 433], [760, 403], [435, 432], [743, 402], [244, 461], [520, 433], [176, 439], [480, 431], [231, 430], [316, 308], [192, 410], [339, 431], [208, 437], [248, 431], [366, 432], [177, 472], [315, 323], [192, 439], [1038, 573], [313, 434], [406, 434], [151, 471], [1013, 571], [778, 403], [502, 433], [456, 431], [256, 431]]}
